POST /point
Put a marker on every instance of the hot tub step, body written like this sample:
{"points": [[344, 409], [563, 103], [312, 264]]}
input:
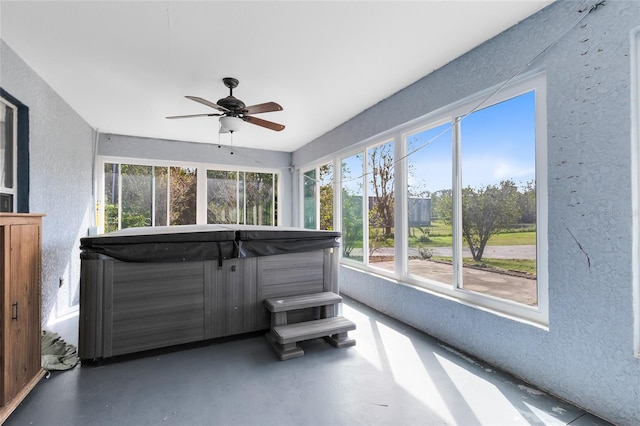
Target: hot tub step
{"points": [[283, 304], [300, 331], [284, 338]]}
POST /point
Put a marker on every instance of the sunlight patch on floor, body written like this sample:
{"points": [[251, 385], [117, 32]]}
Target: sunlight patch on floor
{"points": [[365, 337], [409, 372]]}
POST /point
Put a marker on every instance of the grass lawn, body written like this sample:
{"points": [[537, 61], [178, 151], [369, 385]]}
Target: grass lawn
{"points": [[527, 238], [439, 235], [503, 239], [520, 265]]}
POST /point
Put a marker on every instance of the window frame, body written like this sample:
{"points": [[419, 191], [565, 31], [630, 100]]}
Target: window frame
{"points": [[364, 151], [201, 189], [338, 220], [301, 177], [316, 198], [537, 315], [635, 182], [14, 158]]}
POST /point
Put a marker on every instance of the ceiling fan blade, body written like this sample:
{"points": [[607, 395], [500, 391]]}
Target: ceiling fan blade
{"points": [[193, 115], [207, 103], [265, 107], [264, 123]]}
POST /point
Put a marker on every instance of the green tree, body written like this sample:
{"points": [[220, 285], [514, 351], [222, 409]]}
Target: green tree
{"points": [[222, 196], [527, 203], [351, 222], [259, 204], [182, 202], [136, 197], [326, 197], [381, 166], [485, 211]]}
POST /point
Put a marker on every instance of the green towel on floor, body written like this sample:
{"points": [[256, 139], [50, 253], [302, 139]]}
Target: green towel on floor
{"points": [[56, 353]]}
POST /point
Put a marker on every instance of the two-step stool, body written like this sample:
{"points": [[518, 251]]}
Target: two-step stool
{"points": [[284, 337]]}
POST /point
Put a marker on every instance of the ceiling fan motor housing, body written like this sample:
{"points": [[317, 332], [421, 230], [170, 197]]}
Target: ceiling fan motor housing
{"points": [[232, 104]]}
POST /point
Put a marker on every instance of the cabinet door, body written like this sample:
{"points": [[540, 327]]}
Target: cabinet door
{"points": [[234, 298], [23, 361]]}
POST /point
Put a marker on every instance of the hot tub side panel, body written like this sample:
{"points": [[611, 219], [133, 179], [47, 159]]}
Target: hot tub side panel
{"points": [[129, 307]]}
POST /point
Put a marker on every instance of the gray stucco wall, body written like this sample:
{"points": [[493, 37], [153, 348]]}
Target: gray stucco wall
{"points": [[61, 167], [61, 145], [587, 355]]}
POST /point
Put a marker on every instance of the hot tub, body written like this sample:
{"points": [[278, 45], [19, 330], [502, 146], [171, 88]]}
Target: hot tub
{"points": [[147, 288]]}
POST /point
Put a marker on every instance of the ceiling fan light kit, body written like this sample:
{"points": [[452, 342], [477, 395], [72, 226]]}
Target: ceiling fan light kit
{"points": [[231, 123], [233, 111]]}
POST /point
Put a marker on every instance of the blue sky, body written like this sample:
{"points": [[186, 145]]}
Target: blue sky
{"points": [[498, 142]]}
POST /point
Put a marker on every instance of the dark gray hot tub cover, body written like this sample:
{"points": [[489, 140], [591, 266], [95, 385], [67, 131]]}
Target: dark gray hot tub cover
{"points": [[254, 241], [204, 242], [163, 244]]}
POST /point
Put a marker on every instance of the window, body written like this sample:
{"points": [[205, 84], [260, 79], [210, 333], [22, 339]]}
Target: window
{"points": [[367, 197], [498, 202], [8, 155], [498, 193], [352, 203], [317, 199], [222, 196], [137, 195], [149, 195], [381, 206], [309, 210], [326, 197], [430, 237], [259, 198], [470, 219], [182, 187]]}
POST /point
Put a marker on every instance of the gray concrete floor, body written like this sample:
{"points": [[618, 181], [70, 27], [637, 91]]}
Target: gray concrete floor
{"points": [[395, 375]]}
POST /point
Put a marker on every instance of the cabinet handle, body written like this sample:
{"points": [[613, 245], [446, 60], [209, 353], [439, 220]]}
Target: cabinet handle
{"points": [[14, 311]]}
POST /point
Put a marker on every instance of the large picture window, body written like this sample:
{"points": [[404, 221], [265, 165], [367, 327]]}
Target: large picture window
{"points": [[498, 193], [138, 195], [367, 198], [455, 202]]}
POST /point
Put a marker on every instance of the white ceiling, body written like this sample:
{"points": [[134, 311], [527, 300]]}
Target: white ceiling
{"points": [[125, 65]]}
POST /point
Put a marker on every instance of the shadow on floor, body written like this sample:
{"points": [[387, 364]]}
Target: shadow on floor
{"points": [[395, 375]]}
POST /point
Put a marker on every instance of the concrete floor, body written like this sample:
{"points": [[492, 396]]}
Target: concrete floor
{"points": [[395, 375]]}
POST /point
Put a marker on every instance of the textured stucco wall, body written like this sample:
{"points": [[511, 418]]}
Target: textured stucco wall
{"points": [[61, 162], [587, 355], [191, 152], [60, 144]]}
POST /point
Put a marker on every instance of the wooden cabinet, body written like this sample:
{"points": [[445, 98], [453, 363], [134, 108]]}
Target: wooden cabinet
{"points": [[20, 288]]}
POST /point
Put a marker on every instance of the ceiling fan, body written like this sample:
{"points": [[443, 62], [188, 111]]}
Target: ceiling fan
{"points": [[233, 111]]}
